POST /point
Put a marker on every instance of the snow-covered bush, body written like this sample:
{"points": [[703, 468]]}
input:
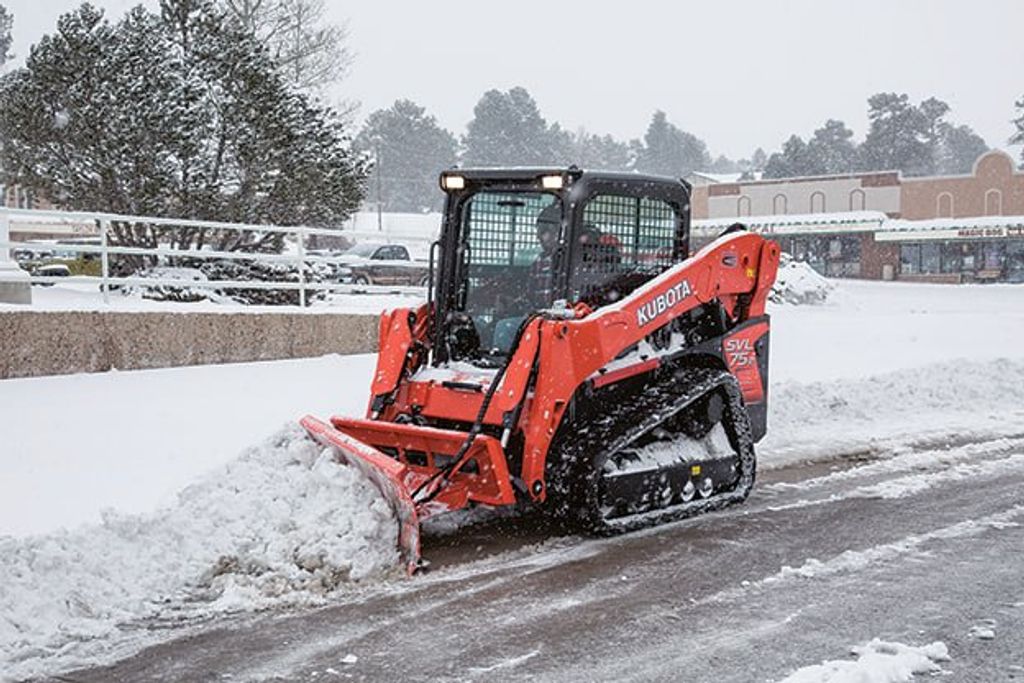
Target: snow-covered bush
{"points": [[239, 271], [798, 283], [262, 271], [182, 293]]}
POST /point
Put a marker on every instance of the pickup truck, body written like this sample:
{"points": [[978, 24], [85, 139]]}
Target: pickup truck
{"points": [[382, 264]]}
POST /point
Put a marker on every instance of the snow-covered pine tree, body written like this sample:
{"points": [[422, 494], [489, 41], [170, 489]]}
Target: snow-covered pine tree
{"points": [[957, 150], [899, 137], [508, 129], [602, 152], [758, 160], [831, 150], [176, 113], [1018, 137], [917, 139], [409, 149], [668, 150], [723, 164], [6, 24], [794, 160]]}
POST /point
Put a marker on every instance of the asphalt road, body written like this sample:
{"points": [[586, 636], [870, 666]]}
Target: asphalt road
{"points": [[916, 547]]}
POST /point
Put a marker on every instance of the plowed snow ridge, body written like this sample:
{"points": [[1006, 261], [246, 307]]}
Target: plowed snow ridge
{"points": [[942, 402], [283, 523]]}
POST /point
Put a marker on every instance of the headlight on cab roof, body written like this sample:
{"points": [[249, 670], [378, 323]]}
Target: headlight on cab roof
{"points": [[452, 182], [552, 182]]}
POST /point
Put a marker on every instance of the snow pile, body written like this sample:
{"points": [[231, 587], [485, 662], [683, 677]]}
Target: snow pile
{"points": [[877, 662], [939, 402], [798, 283], [983, 631], [283, 523], [666, 451]]}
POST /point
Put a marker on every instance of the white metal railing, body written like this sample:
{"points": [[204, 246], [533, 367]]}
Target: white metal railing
{"points": [[103, 221]]}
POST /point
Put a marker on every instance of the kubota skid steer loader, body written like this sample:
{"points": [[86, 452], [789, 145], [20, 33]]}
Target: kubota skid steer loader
{"points": [[570, 354]]}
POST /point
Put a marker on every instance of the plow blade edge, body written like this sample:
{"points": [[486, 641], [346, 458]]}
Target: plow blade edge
{"points": [[389, 475]]}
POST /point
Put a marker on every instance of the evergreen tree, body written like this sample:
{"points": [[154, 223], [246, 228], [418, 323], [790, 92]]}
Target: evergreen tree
{"points": [[508, 129], [1018, 137], [758, 160], [562, 146], [667, 150], [899, 136], [601, 152], [724, 164], [6, 24], [176, 113], [917, 140], [958, 148], [409, 150], [933, 114], [831, 150], [794, 160]]}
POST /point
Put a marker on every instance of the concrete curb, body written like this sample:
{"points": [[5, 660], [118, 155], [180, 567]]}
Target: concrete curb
{"points": [[37, 343]]}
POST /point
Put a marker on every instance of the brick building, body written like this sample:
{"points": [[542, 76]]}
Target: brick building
{"points": [[965, 228], [799, 196], [994, 188]]}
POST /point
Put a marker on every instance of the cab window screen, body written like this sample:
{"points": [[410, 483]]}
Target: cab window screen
{"points": [[622, 242], [501, 227], [509, 272]]}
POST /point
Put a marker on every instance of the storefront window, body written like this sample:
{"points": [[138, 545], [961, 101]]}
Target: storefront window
{"points": [[992, 258], [910, 259], [930, 258], [952, 258], [1015, 261], [969, 259], [978, 261]]}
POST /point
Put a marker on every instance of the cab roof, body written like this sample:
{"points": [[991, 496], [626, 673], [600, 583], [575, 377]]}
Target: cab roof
{"points": [[530, 173]]}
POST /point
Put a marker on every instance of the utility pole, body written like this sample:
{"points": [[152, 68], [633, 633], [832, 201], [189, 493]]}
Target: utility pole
{"points": [[380, 217]]}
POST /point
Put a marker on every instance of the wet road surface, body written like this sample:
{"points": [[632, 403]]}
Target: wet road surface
{"points": [[922, 545]]}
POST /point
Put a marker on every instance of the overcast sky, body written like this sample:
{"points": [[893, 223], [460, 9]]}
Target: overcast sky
{"points": [[738, 74]]}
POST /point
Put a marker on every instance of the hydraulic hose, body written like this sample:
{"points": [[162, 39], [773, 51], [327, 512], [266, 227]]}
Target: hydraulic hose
{"points": [[445, 472]]}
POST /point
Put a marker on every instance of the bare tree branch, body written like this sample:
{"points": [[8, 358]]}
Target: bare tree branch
{"points": [[311, 52]]}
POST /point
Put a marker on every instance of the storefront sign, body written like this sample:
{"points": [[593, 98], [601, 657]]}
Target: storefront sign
{"points": [[980, 233]]}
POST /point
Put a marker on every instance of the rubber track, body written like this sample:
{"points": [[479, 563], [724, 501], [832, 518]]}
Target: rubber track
{"points": [[626, 421]]}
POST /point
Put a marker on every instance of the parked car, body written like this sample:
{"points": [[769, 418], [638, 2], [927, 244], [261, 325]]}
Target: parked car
{"points": [[382, 264], [51, 270]]}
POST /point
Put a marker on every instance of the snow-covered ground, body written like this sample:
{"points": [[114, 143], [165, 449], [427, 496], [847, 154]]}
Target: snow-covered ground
{"points": [[877, 662], [879, 366]]}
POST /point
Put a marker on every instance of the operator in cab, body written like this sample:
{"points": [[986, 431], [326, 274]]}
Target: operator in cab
{"points": [[541, 270]]}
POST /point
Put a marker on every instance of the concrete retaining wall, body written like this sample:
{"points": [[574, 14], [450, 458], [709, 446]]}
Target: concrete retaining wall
{"points": [[34, 343]]}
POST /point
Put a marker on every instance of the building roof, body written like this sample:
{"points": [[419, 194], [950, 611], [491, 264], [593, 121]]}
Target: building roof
{"points": [[987, 227], [727, 177], [846, 221], [884, 228], [956, 223]]}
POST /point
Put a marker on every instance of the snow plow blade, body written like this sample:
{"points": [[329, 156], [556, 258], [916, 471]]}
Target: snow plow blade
{"points": [[387, 474], [402, 459]]}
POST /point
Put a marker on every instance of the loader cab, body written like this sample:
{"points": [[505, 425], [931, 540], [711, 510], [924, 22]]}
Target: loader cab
{"points": [[515, 241]]}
